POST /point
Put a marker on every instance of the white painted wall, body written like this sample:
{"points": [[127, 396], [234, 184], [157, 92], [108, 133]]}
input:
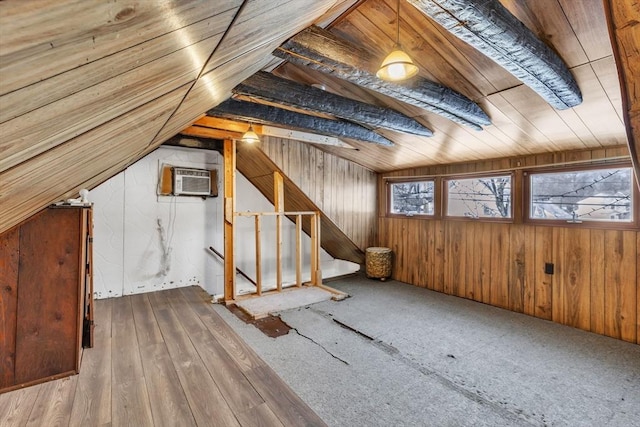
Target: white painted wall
{"points": [[144, 242]]}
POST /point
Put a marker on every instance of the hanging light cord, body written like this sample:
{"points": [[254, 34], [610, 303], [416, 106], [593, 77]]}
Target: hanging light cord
{"points": [[398, 23]]}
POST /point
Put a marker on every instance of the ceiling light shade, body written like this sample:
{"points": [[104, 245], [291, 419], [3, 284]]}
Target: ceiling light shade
{"points": [[250, 136], [397, 66]]}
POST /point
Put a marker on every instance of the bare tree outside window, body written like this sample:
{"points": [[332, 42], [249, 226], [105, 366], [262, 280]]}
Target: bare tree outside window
{"points": [[483, 197], [583, 195], [412, 198]]}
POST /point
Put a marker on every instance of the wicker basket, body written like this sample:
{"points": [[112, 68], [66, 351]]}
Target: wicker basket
{"points": [[378, 263]]}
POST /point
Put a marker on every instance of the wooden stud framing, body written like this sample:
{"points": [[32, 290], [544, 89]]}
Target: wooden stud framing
{"points": [[278, 189], [299, 250], [258, 256], [229, 209], [316, 277]]}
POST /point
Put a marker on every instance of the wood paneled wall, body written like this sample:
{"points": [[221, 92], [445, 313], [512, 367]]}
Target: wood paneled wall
{"points": [[343, 190], [595, 285]]}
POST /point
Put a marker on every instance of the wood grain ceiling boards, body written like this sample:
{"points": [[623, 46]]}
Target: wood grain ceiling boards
{"points": [[523, 123], [88, 87]]}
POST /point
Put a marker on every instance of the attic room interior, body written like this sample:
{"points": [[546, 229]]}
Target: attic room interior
{"points": [[320, 212]]}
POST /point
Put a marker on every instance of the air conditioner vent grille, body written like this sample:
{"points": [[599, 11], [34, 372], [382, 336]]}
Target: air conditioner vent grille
{"points": [[191, 182]]}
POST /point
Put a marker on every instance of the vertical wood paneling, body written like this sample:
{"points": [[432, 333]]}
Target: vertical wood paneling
{"points": [[543, 282], [529, 303], [596, 279], [438, 268], [576, 278], [483, 248], [430, 252], [557, 294], [620, 273], [455, 258], [594, 285], [499, 265], [345, 191], [516, 269], [470, 272], [597, 282]]}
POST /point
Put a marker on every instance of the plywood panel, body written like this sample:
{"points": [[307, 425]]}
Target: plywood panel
{"points": [[597, 110], [548, 20], [598, 286], [588, 22]]}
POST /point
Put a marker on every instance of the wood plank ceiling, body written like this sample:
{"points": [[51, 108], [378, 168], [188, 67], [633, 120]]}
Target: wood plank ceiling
{"points": [[522, 122], [88, 87]]}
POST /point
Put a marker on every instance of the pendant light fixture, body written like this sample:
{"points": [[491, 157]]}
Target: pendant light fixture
{"points": [[397, 65], [250, 136]]}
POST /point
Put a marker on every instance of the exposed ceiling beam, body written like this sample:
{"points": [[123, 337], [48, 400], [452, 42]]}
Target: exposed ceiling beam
{"points": [[266, 114], [490, 28], [622, 20], [267, 87], [311, 138], [321, 50], [219, 128], [204, 143]]}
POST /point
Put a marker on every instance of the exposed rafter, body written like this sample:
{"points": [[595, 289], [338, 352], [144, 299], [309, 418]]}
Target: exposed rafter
{"points": [[321, 50], [267, 87], [266, 114], [219, 128], [493, 30]]}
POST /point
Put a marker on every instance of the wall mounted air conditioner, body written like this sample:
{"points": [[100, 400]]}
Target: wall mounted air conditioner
{"points": [[191, 182]]}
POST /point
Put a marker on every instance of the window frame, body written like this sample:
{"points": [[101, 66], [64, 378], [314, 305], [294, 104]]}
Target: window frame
{"points": [[436, 198], [619, 225], [514, 196]]}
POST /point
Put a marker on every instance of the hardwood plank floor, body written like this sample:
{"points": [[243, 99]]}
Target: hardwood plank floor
{"points": [[165, 358]]}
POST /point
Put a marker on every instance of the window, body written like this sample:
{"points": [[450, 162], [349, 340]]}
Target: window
{"points": [[479, 197], [412, 198], [582, 195]]}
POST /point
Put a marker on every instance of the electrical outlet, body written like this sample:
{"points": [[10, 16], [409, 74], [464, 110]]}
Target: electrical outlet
{"points": [[548, 268]]}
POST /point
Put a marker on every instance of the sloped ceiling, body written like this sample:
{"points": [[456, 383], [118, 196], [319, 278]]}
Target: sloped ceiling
{"points": [[87, 87], [522, 122]]}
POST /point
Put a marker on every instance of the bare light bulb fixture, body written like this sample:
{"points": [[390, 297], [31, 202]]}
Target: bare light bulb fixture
{"points": [[250, 136], [397, 65]]}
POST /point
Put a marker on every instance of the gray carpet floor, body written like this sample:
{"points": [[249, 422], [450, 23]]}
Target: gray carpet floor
{"points": [[397, 355]]}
